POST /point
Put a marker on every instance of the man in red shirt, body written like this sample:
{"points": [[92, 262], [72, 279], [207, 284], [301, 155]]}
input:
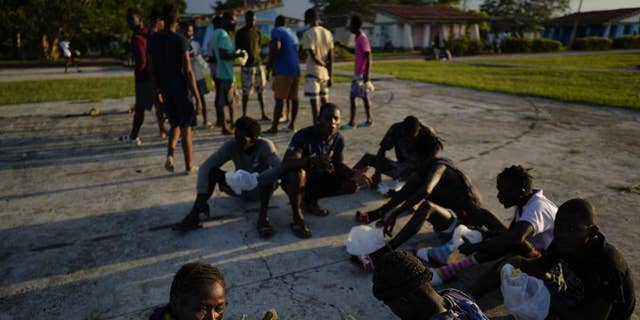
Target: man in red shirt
{"points": [[146, 96]]}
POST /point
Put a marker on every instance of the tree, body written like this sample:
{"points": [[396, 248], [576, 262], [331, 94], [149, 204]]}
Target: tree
{"points": [[363, 6], [532, 12]]}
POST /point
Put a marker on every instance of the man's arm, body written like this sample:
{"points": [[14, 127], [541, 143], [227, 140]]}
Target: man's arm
{"points": [[293, 161], [191, 80], [350, 50], [330, 67], [316, 59], [365, 77], [433, 178], [501, 244], [139, 54], [274, 51], [154, 79]]}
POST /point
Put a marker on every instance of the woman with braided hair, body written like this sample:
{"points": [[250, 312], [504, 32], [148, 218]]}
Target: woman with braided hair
{"points": [[401, 281], [198, 291]]}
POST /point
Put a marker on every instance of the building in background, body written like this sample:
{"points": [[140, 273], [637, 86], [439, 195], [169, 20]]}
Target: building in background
{"points": [[604, 23], [412, 27]]}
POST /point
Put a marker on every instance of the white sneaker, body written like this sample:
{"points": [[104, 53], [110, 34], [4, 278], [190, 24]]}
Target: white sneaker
{"points": [[168, 164]]}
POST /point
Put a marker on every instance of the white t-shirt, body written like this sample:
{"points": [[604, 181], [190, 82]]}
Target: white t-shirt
{"points": [[64, 46], [198, 64], [320, 40], [540, 212]]}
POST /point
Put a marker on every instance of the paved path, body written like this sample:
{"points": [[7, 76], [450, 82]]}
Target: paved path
{"points": [[85, 220]]}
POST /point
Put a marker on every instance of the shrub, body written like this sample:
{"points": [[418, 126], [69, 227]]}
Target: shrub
{"points": [[627, 42], [516, 45], [592, 43], [458, 46], [477, 47], [545, 45]]}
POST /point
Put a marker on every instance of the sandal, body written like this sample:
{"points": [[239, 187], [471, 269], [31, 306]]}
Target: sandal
{"points": [[300, 230], [265, 230], [316, 210]]}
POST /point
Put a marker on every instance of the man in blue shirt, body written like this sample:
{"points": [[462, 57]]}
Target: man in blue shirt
{"points": [[285, 65], [313, 168], [224, 53]]}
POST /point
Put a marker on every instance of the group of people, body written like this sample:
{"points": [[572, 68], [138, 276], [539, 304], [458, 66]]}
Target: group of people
{"points": [[586, 276], [170, 69]]}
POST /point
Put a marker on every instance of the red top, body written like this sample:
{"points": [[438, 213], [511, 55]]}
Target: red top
{"points": [[139, 47]]}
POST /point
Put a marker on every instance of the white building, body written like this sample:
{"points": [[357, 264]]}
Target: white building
{"points": [[410, 27]]}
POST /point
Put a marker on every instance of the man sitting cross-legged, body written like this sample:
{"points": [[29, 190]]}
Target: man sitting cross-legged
{"points": [[249, 152], [314, 169], [402, 137], [401, 281]]}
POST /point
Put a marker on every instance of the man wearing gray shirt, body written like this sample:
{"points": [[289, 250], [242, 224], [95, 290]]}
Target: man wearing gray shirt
{"points": [[249, 152]]}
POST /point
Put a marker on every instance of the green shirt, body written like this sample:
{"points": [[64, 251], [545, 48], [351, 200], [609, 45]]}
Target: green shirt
{"points": [[249, 40], [224, 67]]}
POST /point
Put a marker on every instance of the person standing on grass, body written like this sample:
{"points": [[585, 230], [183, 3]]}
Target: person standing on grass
{"points": [[199, 68], [252, 75], [362, 56], [171, 73], [285, 65], [318, 42], [145, 93], [225, 88]]}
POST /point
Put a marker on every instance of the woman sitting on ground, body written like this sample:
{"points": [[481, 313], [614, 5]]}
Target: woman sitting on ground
{"points": [[447, 195]]}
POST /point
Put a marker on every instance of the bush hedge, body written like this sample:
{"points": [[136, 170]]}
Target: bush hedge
{"points": [[545, 45], [627, 42], [592, 43], [516, 45], [464, 46]]}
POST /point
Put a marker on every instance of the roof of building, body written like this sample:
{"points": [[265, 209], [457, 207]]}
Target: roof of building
{"points": [[427, 12], [341, 20], [594, 17]]}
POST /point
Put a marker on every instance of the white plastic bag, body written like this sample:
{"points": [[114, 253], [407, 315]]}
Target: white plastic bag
{"points": [[241, 180], [385, 186], [525, 296], [364, 239], [242, 60]]}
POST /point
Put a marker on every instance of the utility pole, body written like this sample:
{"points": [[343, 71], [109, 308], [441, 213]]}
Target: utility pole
{"points": [[575, 25]]}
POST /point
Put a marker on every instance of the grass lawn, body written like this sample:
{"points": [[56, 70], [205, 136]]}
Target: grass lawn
{"points": [[92, 89], [603, 61], [606, 87]]}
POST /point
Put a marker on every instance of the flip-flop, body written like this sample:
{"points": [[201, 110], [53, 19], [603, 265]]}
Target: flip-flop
{"points": [[346, 127], [265, 230], [364, 124], [300, 230]]}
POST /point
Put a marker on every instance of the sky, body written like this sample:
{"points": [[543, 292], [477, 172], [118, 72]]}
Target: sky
{"points": [[295, 8]]}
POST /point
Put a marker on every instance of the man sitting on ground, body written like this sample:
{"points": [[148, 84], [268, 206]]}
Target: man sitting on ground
{"points": [[530, 232], [249, 152], [314, 168], [401, 136], [401, 281], [595, 280]]}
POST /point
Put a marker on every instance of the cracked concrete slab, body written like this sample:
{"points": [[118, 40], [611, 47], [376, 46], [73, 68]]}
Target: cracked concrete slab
{"points": [[85, 228]]}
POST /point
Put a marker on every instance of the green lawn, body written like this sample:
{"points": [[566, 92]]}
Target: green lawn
{"points": [[93, 89], [606, 87], [603, 61]]}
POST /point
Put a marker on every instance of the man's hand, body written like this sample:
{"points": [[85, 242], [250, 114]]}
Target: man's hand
{"points": [[322, 163], [389, 223], [365, 77], [330, 82], [198, 106], [361, 179], [160, 99], [376, 178]]}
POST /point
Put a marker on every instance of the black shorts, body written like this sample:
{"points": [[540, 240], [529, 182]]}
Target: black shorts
{"points": [[225, 92], [145, 95], [180, 110]]}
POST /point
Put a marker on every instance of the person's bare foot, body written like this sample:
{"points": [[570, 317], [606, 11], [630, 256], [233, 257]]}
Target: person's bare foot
{"points": [[163, 134], [265, 118]]}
